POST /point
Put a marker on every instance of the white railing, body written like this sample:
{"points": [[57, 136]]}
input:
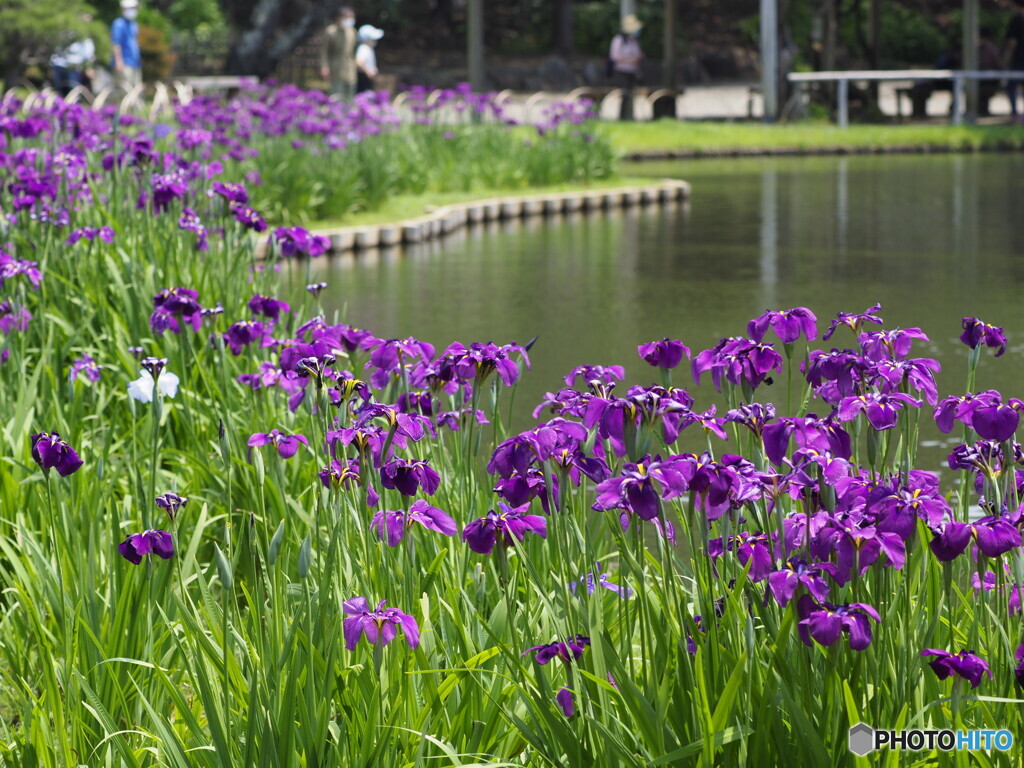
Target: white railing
{"points": [[958, 76]]}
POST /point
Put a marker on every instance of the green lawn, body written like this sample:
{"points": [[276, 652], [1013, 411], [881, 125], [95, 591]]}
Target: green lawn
{"points": [[674, 135]]}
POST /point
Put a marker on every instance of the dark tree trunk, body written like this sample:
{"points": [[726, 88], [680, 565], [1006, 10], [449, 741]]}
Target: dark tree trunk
{"points": [[563, 28], [269, 36]]}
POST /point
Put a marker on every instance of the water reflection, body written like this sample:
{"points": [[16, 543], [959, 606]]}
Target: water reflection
{"points": [[932, 238]]}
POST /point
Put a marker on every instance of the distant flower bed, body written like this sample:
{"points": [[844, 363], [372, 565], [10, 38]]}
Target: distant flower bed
{"points": [[237, 531]]}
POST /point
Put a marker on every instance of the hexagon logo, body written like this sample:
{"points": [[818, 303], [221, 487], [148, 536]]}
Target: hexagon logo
{"points": [[862, 739]]}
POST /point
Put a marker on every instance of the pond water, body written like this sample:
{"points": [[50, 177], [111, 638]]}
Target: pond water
{"points": [[933, 238]]}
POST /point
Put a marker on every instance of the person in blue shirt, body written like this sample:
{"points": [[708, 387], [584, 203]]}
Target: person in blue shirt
{"points": [[124, 38]]}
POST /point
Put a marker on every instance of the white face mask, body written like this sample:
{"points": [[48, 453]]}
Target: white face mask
{"points": [[131, 13], [348, 23]]}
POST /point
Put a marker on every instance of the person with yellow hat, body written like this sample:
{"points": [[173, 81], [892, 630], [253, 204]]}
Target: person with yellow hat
{"points": [[626, 57]]}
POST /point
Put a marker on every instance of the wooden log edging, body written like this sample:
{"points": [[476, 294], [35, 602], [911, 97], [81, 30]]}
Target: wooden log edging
{"points": [[447, 219]]}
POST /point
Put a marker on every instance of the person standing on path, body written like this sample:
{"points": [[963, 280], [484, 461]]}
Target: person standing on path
{"points": [[124, 39], [626, 58], [366, 57], [338, 55], [1015, 55]]}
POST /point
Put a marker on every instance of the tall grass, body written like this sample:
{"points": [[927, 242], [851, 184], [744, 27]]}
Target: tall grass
{"points": [[233, 652]]}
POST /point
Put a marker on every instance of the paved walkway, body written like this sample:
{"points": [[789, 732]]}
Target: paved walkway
{"points": [[739, 102]]}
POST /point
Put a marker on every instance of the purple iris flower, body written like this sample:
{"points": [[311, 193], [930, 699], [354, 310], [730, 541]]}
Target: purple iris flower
{"points": [[138, 545], [994, 536], [591, 583], [85, 366], [518, 489], [391, 525], [171, 503], [882, 411], [539, 444], [965, 664], [172, 305], [478, 361], [788, 324], [13, 319], [642, 485], [606, 374], [854, 321], [232, 193], [997, 421], [755, 547], [961, 408], [408, 477], [509, 525], [794, 573], [564, 700], [293, 241], [918, 373], [315, 288], [243, 333], [667, 353], [740, 361], [976, 332], [380, 626], [823, 435], [754, 417], [190, 222], [988, 584], [268, 307], [248, 217], [106, 234], [894, 344], [571, 650], [898, 510], [50, 452], [411, 425], [286, 445], [858, 547], [826, 623], [339, 475], [11, 267]]}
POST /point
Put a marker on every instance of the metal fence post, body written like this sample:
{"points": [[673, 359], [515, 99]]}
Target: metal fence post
{"points": [[844, 102], [958, 99]]}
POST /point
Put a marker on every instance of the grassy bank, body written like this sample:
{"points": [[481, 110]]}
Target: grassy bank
{"points": [[717, 138], [404, 207]]}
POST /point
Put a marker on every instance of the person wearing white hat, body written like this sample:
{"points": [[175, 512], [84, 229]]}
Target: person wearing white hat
{"points": [[366, 57], [124, 38], [626, 57]]}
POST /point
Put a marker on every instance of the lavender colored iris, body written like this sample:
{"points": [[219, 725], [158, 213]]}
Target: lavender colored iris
{"points": [[506, 527], [106, 234], [977, 332], [315, 288], [826, 623], [85, 366], [591, 583], [154, 542], [854, 321], [965, 664], [391, 525], [795, 573], [286, 445], [50, 452], [380, 626], [667, 353], [11, 267], [232, 193]]}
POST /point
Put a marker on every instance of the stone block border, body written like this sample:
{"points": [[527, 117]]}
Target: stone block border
{"points": [[449, 218]]}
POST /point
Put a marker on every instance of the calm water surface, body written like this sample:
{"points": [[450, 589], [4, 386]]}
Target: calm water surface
{"points": [[931, 238]]}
